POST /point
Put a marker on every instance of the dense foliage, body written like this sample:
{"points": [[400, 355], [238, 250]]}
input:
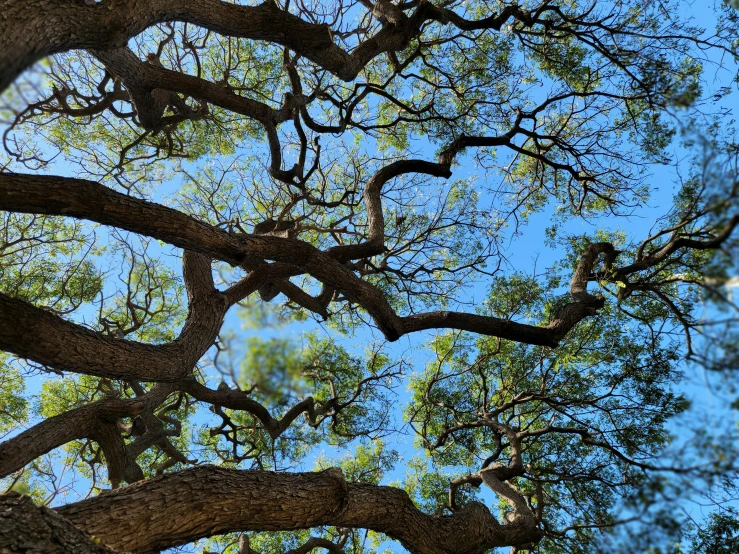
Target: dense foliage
{"points": [[430, 243]]}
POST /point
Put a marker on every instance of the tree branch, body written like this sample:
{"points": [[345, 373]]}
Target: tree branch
{"points": [[208, 500], [28, 528], [40, 335]]}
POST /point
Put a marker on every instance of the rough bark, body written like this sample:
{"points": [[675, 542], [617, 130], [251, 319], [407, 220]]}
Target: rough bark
{"points": [[30, 32], [179, 508], [29, 529], [98, 421]]}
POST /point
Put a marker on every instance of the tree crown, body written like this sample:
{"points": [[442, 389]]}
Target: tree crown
{"points": [[363, 172]]}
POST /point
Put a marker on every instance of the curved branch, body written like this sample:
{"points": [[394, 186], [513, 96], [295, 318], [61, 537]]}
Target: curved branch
{"points": [[522, 514], [29, 33], [88, 200], [678, 241], [40, 335], [143, 79], [375, 243], [89, 421], [209, 500]]}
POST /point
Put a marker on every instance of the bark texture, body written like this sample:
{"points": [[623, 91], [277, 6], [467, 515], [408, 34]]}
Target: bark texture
{"points": [[44, 337], [29, 529], [207, 500], [28, 33]]}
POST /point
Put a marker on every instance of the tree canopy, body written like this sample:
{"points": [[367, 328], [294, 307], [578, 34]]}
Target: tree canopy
{"points": [[267, 275]]}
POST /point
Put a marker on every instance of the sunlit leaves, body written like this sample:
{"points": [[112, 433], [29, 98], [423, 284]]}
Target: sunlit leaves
{"points": [[46, 261], [608, 379], [13, 404]]}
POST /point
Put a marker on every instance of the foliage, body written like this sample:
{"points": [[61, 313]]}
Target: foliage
{"points": [[331, 215]]}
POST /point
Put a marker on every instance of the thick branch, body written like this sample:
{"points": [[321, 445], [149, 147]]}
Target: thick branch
{"points": [[88, 200], [28, 33], [42, 336], [375, 243], [79, 423], [142, 78], [37, 530], [207, 500]]}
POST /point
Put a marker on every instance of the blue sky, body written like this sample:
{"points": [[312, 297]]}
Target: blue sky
{"points": [[529, 254]]}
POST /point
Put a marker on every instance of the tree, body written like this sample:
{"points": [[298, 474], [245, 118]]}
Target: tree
{"points": [[170, 162]]}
